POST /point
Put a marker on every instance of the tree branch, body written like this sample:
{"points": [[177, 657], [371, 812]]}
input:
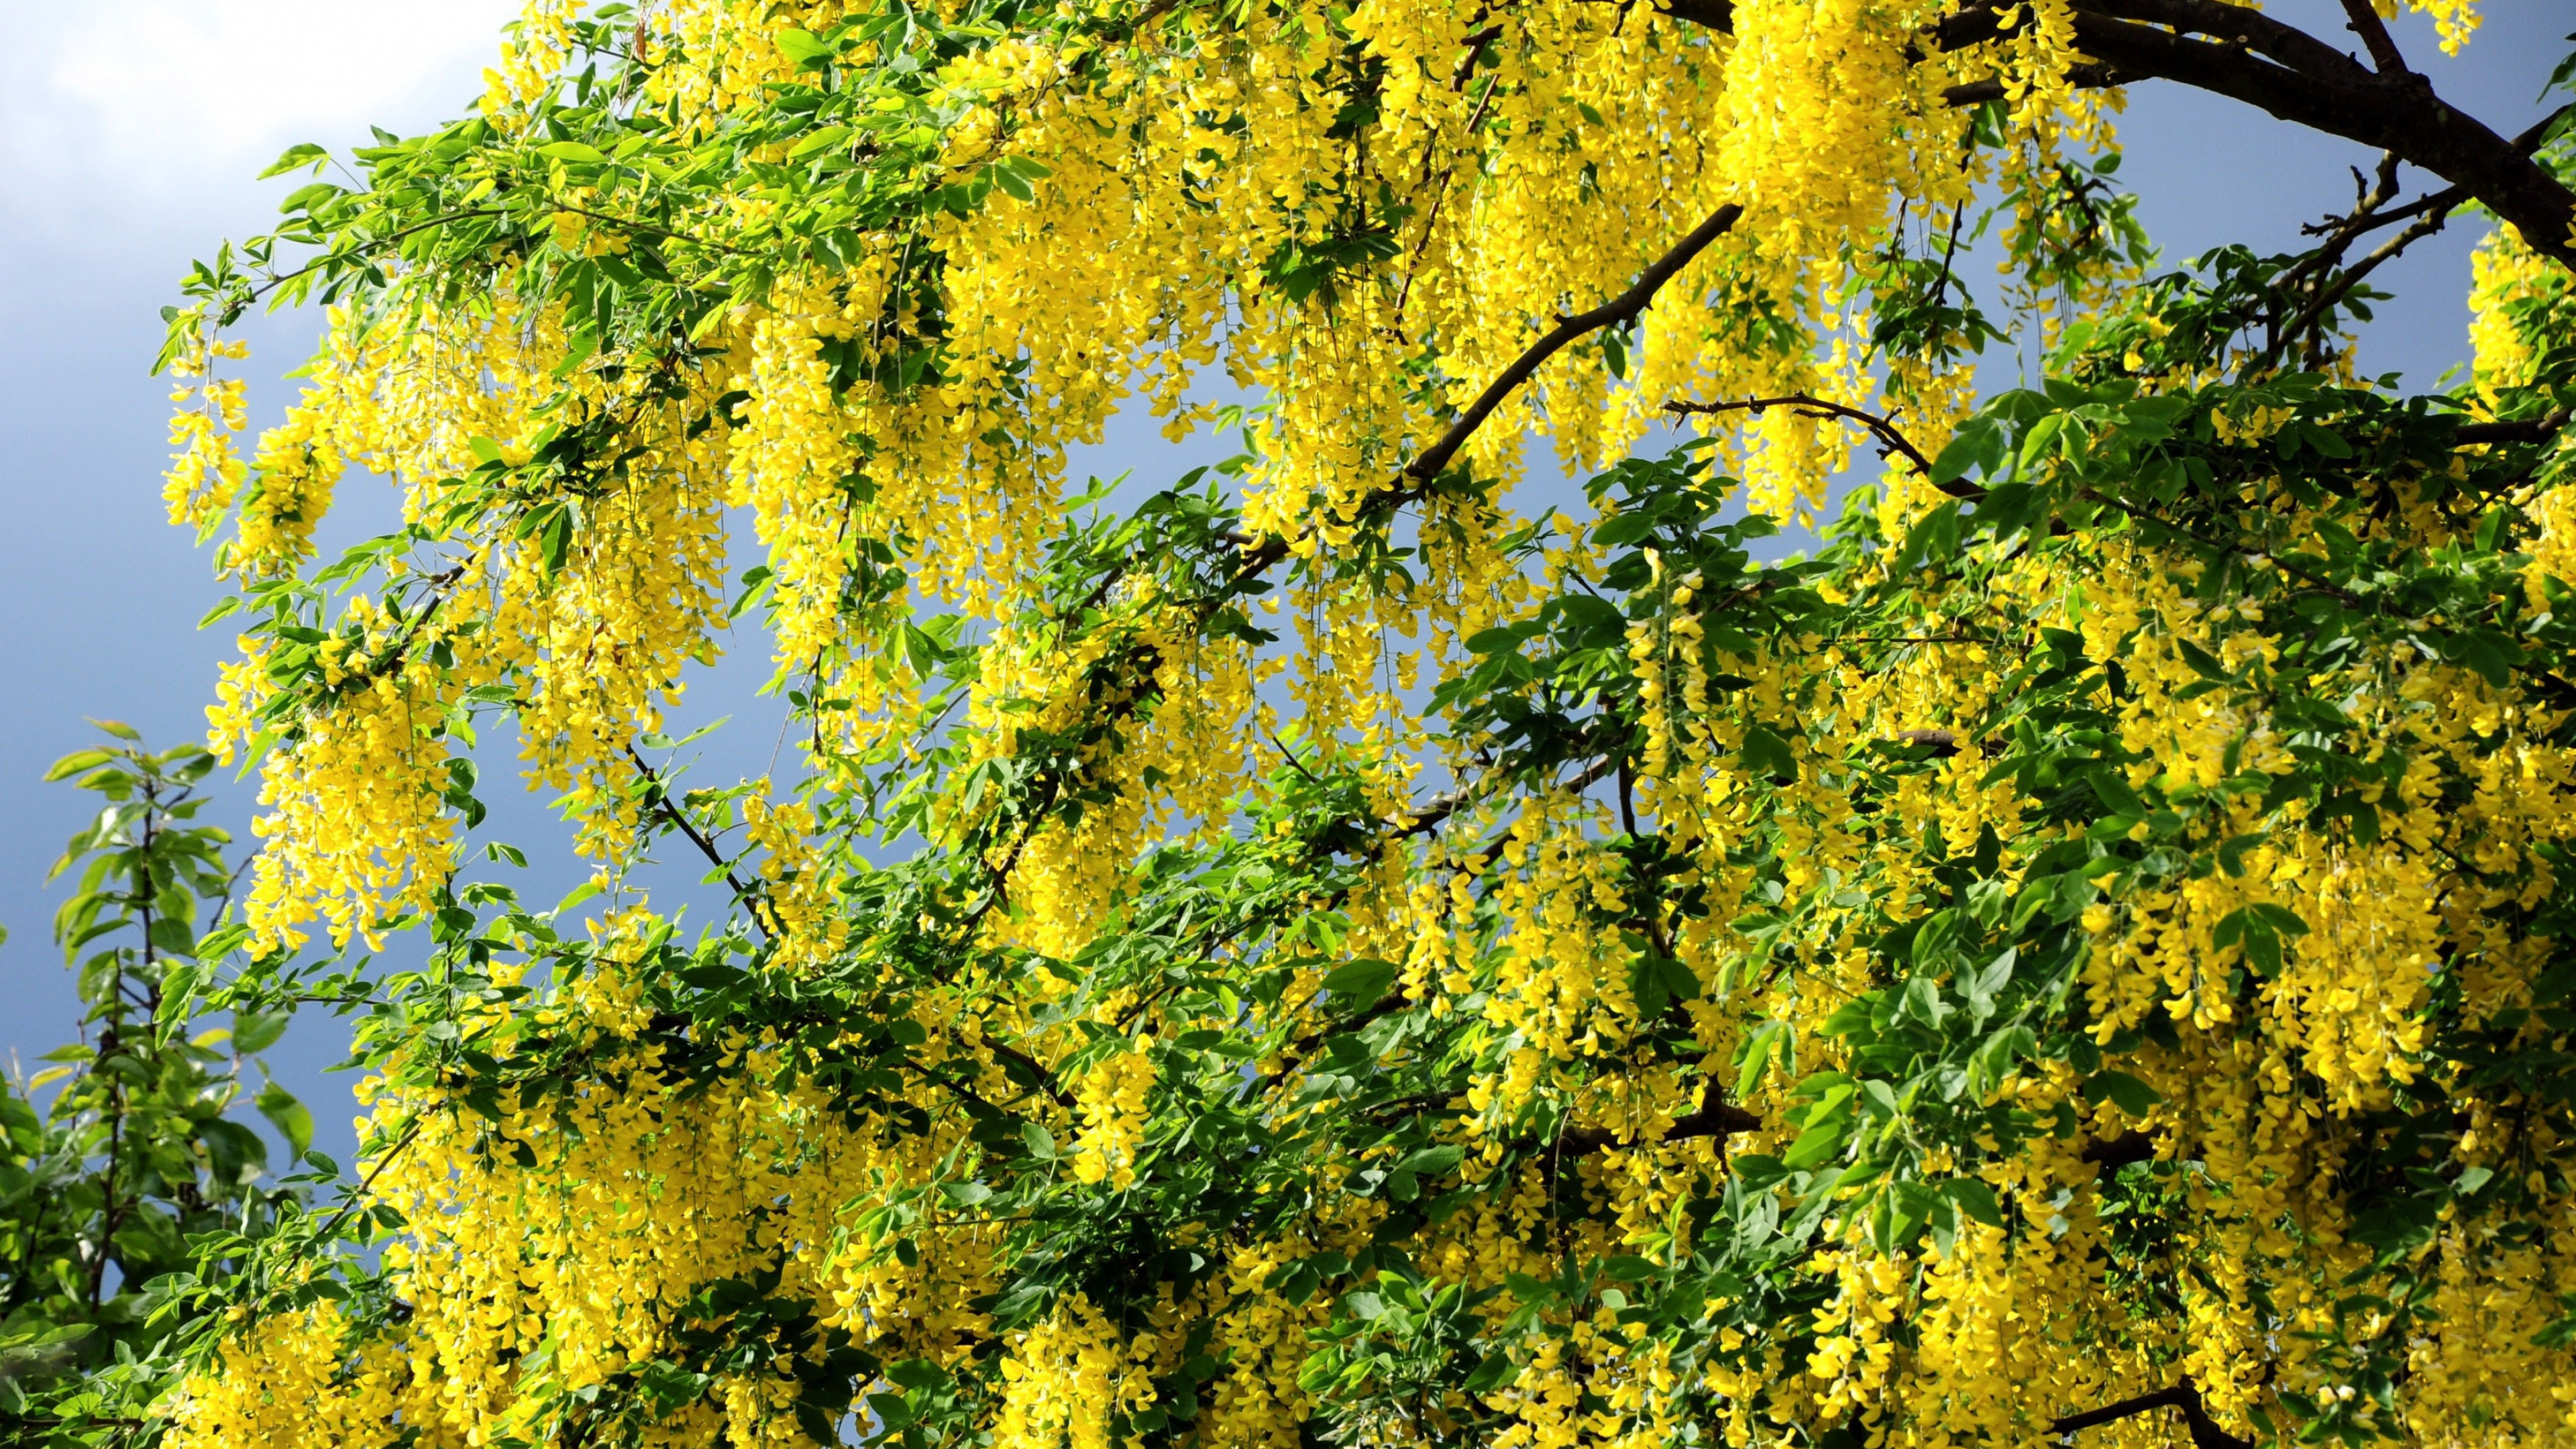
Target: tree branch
{"points": [[2522, 430], [2114, 1153], [1715, 1117], [1717, 15], [2205, 1433], [1816, 407], [270, 284], [2365, 22], [659, 798], [1419, 474], [2278, 69], [1440, 807], [2330, 293], [1623, 308], [2083, 75], [2292, 75]]}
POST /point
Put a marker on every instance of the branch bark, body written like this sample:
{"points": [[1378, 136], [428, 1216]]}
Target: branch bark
{"points": [[1816, 407], [2248, 56], [2205, 1433], [2525, 430], [1715, 1117], [2242, 54], [1418, 475], [2365, 22], [2112, 1154], [1626, 307], [660, 801]]}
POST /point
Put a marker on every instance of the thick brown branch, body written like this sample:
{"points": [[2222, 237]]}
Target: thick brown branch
{"points": [[2083, 75], [2241, 30], [2112, 1154], [2524, 430], [1715, 1117], [2365, 22], [2240, 53], [2205, 1433], [1717, 15]]}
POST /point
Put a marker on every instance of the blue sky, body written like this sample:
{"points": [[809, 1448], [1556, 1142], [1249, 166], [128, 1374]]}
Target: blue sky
{"points": [[130, 131]]}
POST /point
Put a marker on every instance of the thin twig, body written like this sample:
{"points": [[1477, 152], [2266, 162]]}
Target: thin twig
{"points": [[1949, 254], [1417, 476], [2327, 296], [1440, 807], [647, 228], [1811, 406], [351, 253], [661, 801], [368, 1183], [1620, 309]]}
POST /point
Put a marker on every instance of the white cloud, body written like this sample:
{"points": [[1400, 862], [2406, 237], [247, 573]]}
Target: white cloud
{"points": [[158, 101]]}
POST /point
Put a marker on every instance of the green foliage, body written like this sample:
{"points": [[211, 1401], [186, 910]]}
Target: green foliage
{"points": [[110, 1189]]}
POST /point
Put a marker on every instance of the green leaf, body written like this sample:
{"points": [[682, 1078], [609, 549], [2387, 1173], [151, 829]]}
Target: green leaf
{"points": [[1496, 1371], [803, 45], [293, 1120], [1975, 1199], [1755, 1055], [1979, 443], [255, 1031], [1766, 753], [555, 542], [76, 762], [823, 139], [2202, 661], [1814, 1145], [1433, 1161], [1622, 529], [2279, 917], [2124, 1091], [1361, 983], [1922, 1001], [2231, 855], [303, 153], [571, 151]]}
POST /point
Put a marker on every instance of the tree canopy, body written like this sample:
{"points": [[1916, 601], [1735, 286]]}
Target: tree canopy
{"points": [[1359, 945]]}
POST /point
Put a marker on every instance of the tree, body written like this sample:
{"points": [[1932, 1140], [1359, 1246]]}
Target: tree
{"points": [[134, 1178], [1323, 954]]}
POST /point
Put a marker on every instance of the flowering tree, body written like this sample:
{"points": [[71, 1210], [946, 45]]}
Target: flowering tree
{"points": [[1372, 959]]}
